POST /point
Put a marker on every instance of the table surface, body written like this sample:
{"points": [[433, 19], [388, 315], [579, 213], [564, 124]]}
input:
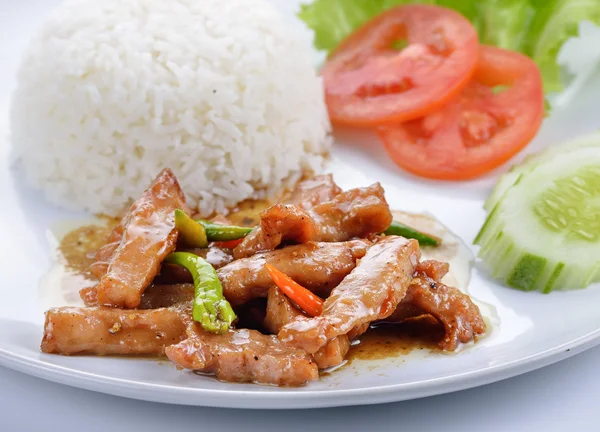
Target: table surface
{"points": [[560, 397], [556, 398]]}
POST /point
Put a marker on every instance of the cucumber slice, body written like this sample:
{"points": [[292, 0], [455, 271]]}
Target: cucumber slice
{"points": [[510, 178], [505, 182], [543, 232]]}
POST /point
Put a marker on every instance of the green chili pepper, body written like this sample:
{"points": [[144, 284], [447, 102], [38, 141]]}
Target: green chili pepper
{"points": [[210, 307], [216, 232], [191, 233], [396, 228]]}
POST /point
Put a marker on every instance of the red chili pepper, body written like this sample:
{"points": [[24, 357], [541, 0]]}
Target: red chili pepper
{"points": [[309, 302], [228, 244]]}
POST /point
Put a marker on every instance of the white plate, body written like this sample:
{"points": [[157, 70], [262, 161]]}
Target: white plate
{"points": [[532, 330]]}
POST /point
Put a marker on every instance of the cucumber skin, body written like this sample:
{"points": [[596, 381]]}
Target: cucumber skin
{"points": [[553, 278], [484, 228], [497, 250], [505, 182], [526, 272]]}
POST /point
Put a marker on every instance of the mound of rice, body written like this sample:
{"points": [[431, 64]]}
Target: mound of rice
{"points": [[112, 91]]}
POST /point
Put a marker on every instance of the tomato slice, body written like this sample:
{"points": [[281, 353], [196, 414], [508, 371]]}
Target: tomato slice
{"points": [[368, 82], [493, 118]]}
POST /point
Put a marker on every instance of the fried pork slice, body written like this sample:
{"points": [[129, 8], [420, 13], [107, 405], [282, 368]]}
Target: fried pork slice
{"points": [[164, 296], [405, 311], [278, 223], [243, 355], [370, 292], [308, 193], [317, 266], [149, 235], [105, 253], [99, 268], [435, 270], [280, 311], [460, 317], [354, 213], [110, 331], [357, 331], [155, 296], [89, 295], [333, 353]]}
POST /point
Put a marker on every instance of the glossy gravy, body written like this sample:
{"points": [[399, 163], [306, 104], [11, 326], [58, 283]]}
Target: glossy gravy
{"points": [[391, 340], [78, 247], [247, 213]]}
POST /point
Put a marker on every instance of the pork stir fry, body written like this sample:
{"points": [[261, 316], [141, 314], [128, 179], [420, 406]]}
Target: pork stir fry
{"points": [[316, 272]]}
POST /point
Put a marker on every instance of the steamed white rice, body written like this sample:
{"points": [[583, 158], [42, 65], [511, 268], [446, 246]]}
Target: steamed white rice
{"points": [[222, 92]]}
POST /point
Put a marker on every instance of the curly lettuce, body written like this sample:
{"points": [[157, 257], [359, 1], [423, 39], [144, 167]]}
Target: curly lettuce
{"points": [[537, 28]]}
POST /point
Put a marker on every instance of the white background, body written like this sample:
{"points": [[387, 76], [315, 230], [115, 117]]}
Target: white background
{"points": [[559, 397]]}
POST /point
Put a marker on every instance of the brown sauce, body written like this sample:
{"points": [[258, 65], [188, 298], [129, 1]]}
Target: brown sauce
{"points": [[247, 213], [77, 247], [72, 258], [392, 340]]}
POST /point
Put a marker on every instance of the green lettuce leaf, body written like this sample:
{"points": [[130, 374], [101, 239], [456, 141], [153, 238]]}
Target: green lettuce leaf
{"points": [[537, 28]]}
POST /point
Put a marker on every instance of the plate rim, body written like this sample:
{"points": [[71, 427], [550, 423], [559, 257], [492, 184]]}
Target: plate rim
{"points": [[293, 399]]}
